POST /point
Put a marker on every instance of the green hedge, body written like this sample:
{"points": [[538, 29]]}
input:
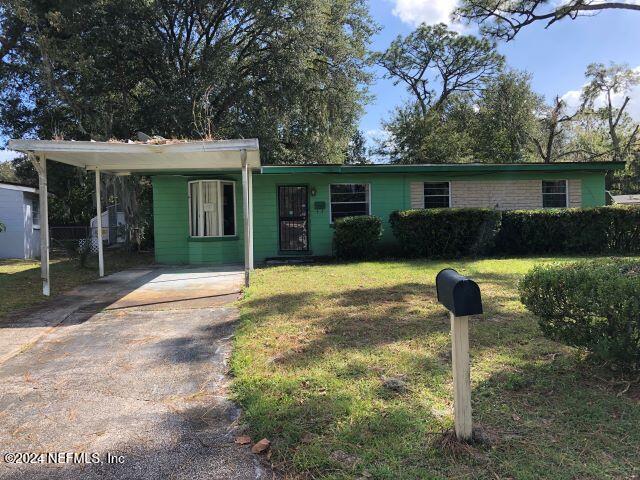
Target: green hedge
{"points": [[446, 232], [581, 230], [477, 231], [357, 237], [593, 304]]}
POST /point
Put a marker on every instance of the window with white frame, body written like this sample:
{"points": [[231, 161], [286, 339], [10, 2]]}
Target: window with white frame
{"points": [[437, 195], [554, 193], [349, 200], [212, 208]]}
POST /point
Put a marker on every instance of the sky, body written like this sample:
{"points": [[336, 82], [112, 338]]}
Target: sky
{"points": [[556, 57]]}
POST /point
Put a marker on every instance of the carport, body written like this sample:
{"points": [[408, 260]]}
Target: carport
{"points": [[120, 158]]}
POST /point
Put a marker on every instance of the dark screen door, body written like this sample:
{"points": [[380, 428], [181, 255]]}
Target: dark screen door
{"points": [[293, 218]]}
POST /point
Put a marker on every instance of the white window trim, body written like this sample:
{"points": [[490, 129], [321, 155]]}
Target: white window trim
{"points": [[566, 191], [200, 207], [424, 204], [349, 183]]}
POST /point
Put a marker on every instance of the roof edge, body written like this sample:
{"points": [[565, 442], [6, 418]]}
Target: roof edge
{"points": [[28, 145], [18, 186], [445, 167]]}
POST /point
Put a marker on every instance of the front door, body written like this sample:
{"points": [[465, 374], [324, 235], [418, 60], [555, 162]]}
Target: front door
{"points": [[293, 218]]}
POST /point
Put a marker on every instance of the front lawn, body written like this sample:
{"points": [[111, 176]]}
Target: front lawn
{"points": [[21, 285], [316, 341]]}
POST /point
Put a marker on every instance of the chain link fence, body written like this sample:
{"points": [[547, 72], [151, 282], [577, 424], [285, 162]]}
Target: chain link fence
{"points": [[78, 241]]}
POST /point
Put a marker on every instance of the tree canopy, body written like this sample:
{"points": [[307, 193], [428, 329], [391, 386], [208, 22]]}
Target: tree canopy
{"points": [[445, 73], [604, 83], [435, 63], [289, 72], [464, 106], [506, 118]]}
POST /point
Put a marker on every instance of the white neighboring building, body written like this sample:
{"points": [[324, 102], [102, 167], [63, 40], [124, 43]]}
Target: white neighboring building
{"points": [[20, 213], [112, 226]]}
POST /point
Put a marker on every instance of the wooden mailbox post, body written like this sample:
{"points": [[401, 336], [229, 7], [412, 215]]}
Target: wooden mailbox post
{"points": [[462, 298]]}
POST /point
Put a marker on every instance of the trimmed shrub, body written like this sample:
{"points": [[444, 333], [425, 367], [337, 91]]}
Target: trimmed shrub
{"points": [[581, 230], [593, 304], [357, 237], [443, 232]]}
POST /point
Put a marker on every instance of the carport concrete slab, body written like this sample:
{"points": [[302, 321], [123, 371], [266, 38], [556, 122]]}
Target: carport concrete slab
{"points": [[144, 380], [185, 288]]}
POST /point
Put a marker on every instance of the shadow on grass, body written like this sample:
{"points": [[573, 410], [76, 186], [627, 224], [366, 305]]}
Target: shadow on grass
{"points": [[562, 413], [368, 318], [551, 416], [546, 412], [556, 421]]}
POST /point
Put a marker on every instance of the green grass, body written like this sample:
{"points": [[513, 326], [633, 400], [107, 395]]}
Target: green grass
{"points": [[315, 340], [21, 285]]}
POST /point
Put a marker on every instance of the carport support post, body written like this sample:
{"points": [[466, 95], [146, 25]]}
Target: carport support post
{"points": [[99, 224], [250, 179], [40, 164], [461, 377], [246, 216]]}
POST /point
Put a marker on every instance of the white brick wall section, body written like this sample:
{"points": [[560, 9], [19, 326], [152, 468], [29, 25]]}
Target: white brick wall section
{"points": [[417, 194], [575, 193], [499, 194]]}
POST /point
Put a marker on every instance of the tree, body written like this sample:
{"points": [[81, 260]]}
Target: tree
{"points": [[101, 69], [435, 63], [438, 137], [7, 173], [357, 151], [71, 201], [442, 70], [605, 83], [550, 139], [505, 18], [506, 118]]}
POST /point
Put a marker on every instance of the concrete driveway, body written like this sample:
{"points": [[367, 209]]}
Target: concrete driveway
{"points": [[125, 378]]}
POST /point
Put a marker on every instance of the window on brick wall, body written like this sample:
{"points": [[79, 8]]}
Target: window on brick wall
{"points": [[554, 193], [437, 195]]}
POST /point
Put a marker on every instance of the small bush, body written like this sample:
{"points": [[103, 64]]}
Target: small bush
{"points": [[581, 230], [446, 232], [357, 237], [593, 304]]}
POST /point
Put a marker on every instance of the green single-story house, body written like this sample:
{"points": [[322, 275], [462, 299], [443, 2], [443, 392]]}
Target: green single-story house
{"points": [[208, 194], [198, 218]]}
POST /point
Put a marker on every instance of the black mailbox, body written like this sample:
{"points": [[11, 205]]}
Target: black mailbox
{"points": [[459, 294]]}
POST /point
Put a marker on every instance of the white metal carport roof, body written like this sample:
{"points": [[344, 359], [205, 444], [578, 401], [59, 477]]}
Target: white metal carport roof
{"points": [[121, 157], [157, 155]]}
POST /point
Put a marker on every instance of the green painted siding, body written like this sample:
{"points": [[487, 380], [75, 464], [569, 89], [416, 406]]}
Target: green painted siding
{"points": [[593, 190], [389, 192], [171, 225]]}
